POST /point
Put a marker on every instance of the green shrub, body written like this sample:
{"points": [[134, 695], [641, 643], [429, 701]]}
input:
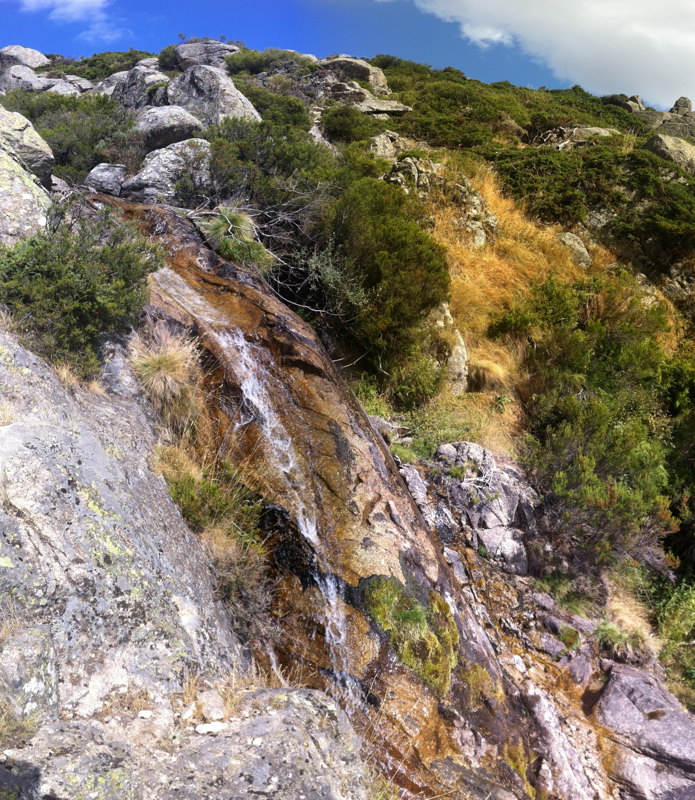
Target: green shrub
{"points": [[342, 123], [167, 59], [270, 60], [402, 270], [81, 131], [79, 280], [676, 625], [233, 233], [594, 351], [98, 66], [424, 637]]}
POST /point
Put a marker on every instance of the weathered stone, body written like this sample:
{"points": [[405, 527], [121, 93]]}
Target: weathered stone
{"points": [[210, 94], [684, 105], [578, 252], [138, 87], [21, 77], [82, 509], [165, 125], [475, 217], [416, 173], [353, 94], [281, 743], [59, 186], [107, 178], [23, 203], [64, 87], [108, 85], [81, 83], [15, 54], [656, 756], [347, 68], [19, 137], [151, 62], [389, 145], [161, 169], [211, 54], [673, 149]]}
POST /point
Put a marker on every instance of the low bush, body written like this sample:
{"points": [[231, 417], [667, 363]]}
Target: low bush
{"points": [[98, 66], [232, 233], [621, 644], [82, 278], [273, 59], [595, 352], [81, 131]]}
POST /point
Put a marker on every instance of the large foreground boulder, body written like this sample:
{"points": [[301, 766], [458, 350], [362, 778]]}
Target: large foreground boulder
{"points": [[18, 136], [163, 169], [211, 54], [209, 94], [23, 203], [120, 675], [655, 737], [165, 125]]}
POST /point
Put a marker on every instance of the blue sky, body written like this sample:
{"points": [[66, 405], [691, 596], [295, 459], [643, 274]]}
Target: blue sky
{"points": [[604, 45]]}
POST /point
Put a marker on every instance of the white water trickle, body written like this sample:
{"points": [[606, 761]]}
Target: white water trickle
{"points": [[281, 450], [253, 382]]}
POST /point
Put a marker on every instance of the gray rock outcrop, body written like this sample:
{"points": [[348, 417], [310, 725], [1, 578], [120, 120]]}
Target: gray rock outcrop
{"points": [[211, 54], [576, 247], [475, 217], [18, 136], [389, 145], [673, 149], [108, 85], [682, 106], [494, 502], [15, 54], [655, 759], [164, 125], [139, 87], [64, 88], [23, 202], [415, 173], [22, 77], [209, 94], [347, 68], [161, 169], [107, 178], [353, 94]]}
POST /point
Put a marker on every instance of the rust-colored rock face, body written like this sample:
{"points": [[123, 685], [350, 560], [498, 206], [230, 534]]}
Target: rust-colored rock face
{"points": [[341, 516]]}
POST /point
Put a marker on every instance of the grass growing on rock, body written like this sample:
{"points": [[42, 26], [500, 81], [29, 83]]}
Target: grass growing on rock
{"points": [[424, 636]]}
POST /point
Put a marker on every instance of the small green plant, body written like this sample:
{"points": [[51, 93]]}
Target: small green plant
{"points": [[569, 636], [629, 646], [233, 232], [424, 636], [406, 454]]}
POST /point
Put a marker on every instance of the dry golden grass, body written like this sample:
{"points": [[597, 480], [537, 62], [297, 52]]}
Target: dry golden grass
{"points": [[7, 414], [175, 461], [630, 613], [66, 375], [168, 368], [9, 620]]}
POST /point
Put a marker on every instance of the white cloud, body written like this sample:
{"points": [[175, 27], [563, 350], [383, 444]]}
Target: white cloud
{"points": [[101, 26], [631, 46]]}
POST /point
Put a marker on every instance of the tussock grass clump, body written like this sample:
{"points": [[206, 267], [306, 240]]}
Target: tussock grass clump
{"points": [[424, 637], [622, 644], [234, 235], [169, 370]]}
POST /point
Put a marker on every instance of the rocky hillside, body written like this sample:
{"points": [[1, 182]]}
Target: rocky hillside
{"points": [[345, 432]]}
